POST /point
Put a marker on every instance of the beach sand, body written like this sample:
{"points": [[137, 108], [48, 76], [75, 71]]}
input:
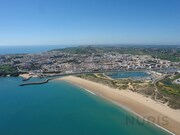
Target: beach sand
{"points": [[26, 76], [155, 112]]}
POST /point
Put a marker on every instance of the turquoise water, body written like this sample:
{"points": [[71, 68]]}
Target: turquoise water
{"points": [[127, 74], [59, 108]]}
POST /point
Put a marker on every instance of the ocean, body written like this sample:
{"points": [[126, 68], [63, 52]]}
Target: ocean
{"points": [[60, 108], [29, 49]]}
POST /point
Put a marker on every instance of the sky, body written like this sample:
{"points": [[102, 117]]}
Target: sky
{"points": [[89, 22]]}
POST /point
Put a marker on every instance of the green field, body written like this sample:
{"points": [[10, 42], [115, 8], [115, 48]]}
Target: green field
{"points": [[169, 92], [167, 86]]}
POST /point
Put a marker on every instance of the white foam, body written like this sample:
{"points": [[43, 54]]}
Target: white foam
{"points": [[89, 91]]}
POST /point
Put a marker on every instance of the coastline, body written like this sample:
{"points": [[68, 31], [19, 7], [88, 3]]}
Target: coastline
{"points": [[140, 105], [26, 76]]}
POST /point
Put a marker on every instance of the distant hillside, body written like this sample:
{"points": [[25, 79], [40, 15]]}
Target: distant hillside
{"points": [[171, 53]]}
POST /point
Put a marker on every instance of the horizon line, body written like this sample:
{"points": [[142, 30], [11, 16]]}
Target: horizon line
{"points": [[91, 45]]}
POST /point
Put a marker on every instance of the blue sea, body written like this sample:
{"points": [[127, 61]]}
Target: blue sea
{"points": [[60, 108], [29, 49]]}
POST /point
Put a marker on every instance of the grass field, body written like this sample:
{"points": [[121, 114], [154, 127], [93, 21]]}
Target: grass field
{"points": [[167, 86]]}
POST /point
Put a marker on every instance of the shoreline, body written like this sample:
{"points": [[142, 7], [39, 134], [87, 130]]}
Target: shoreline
{"points": [[27, 76], [135, 103]]}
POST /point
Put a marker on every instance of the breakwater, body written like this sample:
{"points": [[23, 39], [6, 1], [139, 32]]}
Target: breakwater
{"points": [[37, 83]]}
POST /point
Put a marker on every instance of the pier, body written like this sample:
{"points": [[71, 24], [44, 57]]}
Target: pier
{"points": [[36, 83]]}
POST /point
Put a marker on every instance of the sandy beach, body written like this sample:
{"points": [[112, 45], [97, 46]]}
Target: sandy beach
{"points": [[26, 76], [160, 114]]}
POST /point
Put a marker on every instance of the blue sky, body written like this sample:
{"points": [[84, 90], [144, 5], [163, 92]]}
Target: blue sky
{"points": [[74, 22]]}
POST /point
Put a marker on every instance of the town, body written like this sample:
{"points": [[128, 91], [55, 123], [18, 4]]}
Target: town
{"points": [[63, 62]]}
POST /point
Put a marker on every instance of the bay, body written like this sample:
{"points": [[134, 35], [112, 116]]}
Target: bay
{"points": [[62, 108]]}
